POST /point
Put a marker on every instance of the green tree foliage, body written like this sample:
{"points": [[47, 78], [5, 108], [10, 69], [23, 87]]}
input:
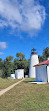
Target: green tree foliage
{"points": [[1, 73], [46, 53], [20, 56], [9, 58], [7, 66], [0, 59], [1, 64], [41, 58], [28, 60]]}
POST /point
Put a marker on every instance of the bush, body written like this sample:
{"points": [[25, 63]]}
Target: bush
{"points": [[1, 73]]}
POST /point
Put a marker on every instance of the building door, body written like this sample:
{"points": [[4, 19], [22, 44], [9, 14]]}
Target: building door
{"points": [[44, 73]]}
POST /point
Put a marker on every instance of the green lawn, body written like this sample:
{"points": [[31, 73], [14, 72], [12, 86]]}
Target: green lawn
{"points": [[26, 97], [4, 83]]}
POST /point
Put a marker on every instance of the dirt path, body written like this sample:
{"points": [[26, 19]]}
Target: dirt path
{"points": [[10, 87]]}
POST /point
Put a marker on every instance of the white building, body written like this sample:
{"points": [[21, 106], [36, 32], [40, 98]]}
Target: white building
{"points": [[33, 61], [13, 76], [19, 74], [42, 71]]}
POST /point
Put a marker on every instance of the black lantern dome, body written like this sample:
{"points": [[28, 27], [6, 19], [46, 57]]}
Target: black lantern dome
{"points": [[33, 51]]}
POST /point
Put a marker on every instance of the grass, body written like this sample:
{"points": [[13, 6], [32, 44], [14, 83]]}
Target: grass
{"points": [[4, 83], [26, 97]]}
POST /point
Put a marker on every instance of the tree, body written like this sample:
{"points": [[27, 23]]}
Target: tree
{"points": [[0, 59], [41, 58], [7, 66], [15, 66], [29, 60], [9, 58], [1, 73], [20, 56], [0, 63], [46, 53]]}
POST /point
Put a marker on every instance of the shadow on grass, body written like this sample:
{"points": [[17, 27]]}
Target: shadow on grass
{"points": [[31, 82], [28, 81]]}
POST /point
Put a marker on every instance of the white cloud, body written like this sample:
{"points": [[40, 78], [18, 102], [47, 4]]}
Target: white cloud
{"points": [[24, 15], [3, 45], [1, 53]]}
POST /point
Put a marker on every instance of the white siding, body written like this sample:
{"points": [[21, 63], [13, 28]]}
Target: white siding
{"points": [[41, 73], [48, 72], [19, 74], [13, 76]]}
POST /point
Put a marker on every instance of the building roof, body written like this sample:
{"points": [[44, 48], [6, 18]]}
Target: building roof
{"points": [[43, 63]]}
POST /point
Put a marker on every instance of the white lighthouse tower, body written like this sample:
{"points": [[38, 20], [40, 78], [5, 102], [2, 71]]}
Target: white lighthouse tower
{"points": [[33, 61]]}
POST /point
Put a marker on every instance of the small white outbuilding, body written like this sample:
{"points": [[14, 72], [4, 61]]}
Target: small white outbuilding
{"points": [[42, 71], [13, 76], [19, 74]]}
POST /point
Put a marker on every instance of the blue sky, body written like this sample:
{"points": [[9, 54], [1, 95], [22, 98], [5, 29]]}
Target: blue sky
{"points": [[23, 25]]}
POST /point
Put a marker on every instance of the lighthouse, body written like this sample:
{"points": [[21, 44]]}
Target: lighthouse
{"points": [[33, 61]]}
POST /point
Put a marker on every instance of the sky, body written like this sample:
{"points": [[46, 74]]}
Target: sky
{"points": [[24, 24]]}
